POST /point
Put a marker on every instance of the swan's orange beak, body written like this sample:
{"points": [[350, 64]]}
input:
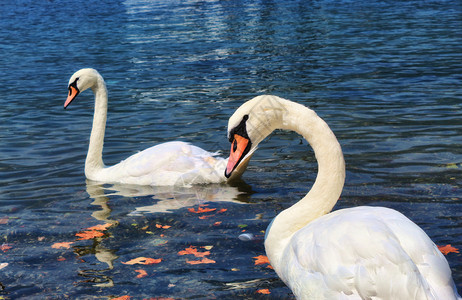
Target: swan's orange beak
{"points": [[239, 148], [73, 92]]}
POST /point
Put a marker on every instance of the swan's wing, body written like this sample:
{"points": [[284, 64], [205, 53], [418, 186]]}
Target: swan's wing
{"points": [[172, 163], [365, 252]]}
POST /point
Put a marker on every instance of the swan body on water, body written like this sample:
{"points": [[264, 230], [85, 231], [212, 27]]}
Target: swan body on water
{"points": [[172, 163], [355, 253]]}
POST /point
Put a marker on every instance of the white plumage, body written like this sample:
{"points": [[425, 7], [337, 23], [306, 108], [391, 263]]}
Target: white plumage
{"points": [[172, 163], [356, 253], [365, 253]]}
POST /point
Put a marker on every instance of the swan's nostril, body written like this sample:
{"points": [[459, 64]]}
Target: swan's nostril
{"points": [[234, 146]]}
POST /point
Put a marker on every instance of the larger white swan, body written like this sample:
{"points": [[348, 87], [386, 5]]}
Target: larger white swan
{"points": [[355, 253], [172, 163]]}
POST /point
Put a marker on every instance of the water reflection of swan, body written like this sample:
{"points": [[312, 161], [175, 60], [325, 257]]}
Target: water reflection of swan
{"points": [[166, 198], [173, 163], [102, 254], [356, 253]]}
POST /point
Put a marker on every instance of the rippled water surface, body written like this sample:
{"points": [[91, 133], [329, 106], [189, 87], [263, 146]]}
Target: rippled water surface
{"points": [[385, 75]]}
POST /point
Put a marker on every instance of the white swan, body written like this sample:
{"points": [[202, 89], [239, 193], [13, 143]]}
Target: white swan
{"points": [[355, 253], [172, 163]]}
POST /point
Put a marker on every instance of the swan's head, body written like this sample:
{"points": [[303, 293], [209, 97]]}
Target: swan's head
{"points": [[80, 81], [248, 126]]}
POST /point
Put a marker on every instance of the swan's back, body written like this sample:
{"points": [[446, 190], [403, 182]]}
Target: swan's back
{"points": [[171, 163], [365, 253]]}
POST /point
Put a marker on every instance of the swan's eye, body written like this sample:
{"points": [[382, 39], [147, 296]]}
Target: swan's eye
{"points": [[74, 85], [239, 129]]}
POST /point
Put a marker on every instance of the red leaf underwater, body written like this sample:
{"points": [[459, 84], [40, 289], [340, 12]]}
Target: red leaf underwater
{"points": [[143, 261], [448, 249]]}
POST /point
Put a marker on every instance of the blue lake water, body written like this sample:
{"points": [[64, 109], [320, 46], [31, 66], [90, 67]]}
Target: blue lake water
{"points": [[385, 75]]}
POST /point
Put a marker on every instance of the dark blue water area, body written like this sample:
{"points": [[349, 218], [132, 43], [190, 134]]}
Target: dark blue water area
{"points": [[385, 75]]}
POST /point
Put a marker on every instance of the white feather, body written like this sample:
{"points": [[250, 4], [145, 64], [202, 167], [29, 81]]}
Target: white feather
{"points": [[173, 163], [356, 253]]}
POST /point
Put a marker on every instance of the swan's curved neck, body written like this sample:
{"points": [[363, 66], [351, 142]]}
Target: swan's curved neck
{"points": [[94, 161], [328, 184]]}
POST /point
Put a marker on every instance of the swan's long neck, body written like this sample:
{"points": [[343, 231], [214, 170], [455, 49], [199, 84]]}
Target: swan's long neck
{"points": [[328, 184], [94, 161]]}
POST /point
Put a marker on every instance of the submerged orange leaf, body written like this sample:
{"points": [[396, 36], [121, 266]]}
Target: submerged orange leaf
{"points": [[201, 210], [163, 226], [143, 261], [448, 249], [89, 234], [261, 259], [100, 227], [142, 273], [193, 250], [205, 260], [122, 298], [66, 245], [264, 291], [5, 247]]}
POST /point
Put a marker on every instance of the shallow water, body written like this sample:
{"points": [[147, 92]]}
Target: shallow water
{"points": [[385, 75]]}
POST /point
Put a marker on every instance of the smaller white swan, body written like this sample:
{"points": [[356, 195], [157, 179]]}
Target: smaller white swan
{"points": [[172, 163], [356, 253]]}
